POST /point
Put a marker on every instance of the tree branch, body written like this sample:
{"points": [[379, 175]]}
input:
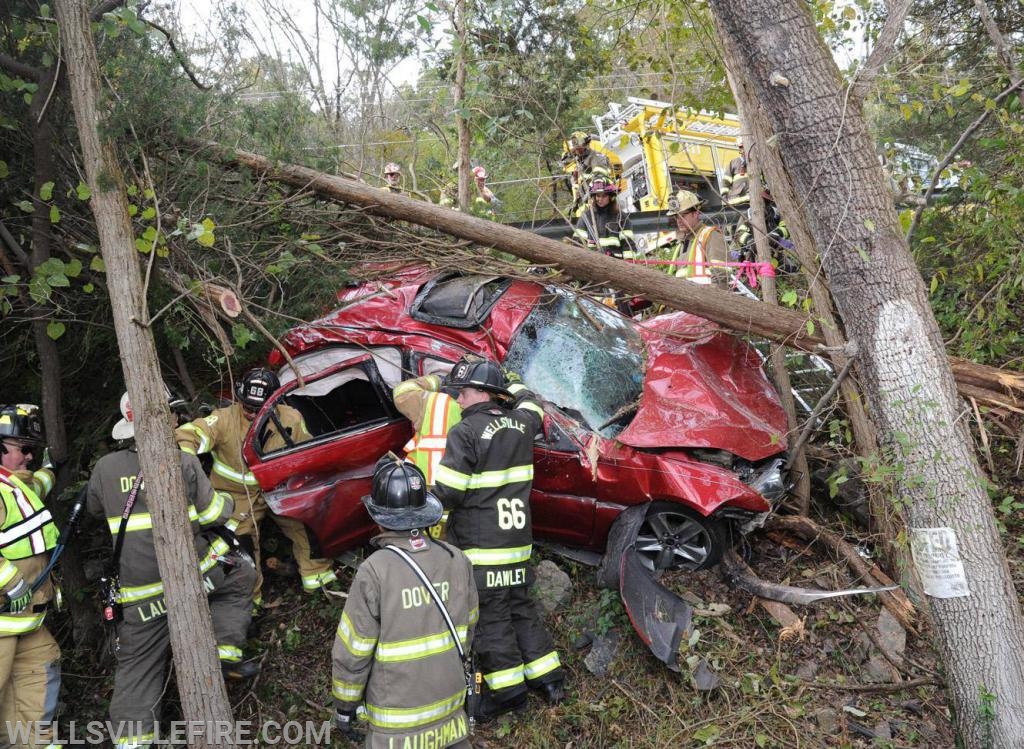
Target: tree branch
{"points": [[951, 154], [12, 243], [20, 69], [885, 48], [999, 42], [177, 53], [96, 14]]}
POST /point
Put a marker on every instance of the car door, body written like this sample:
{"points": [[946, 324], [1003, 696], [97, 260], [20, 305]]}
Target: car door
{"points": [[321, 479]]}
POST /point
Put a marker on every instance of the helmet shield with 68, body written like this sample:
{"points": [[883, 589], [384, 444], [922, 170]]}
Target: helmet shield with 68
{"points": [[255, 387], [477, 372]]}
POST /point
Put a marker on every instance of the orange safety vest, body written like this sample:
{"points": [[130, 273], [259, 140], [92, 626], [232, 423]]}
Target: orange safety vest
{"points": [[426, 448], [697, 266]]}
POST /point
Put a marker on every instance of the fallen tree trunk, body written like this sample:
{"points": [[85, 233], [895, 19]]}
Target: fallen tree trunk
{"points": [[789, 327]]}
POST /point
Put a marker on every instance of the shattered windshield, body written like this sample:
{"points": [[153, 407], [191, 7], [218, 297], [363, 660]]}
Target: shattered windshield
{"points": [[583, 357]]}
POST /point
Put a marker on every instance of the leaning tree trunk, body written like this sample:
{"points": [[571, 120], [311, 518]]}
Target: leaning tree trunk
{"points": [[823, 169], [203, 696]]}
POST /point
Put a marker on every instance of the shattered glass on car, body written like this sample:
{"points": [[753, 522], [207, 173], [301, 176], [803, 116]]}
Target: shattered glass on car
{"points": [[583, 357]]}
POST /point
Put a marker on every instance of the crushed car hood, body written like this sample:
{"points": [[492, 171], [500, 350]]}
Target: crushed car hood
{"points": [[700, 391]]}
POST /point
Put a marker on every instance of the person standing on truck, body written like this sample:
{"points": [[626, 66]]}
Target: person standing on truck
{"points": [[222, 434], [484, 479], [698, 253], [583, 163], [602, 225], [735, 180]]}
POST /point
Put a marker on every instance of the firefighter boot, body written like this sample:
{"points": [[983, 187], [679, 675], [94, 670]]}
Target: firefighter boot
{"points": [[489, 708], [239, 670], [553, 691]]}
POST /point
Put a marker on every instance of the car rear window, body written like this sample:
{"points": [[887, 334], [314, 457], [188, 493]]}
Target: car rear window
{"points": [[458, 301]]}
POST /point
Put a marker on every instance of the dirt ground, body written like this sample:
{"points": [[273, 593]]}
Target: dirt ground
{"points": [[823, 681]]}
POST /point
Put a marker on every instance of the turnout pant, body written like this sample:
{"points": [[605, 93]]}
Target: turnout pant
{"points": [[143, 645], [249, 511], [29, 683], [512, 645]]}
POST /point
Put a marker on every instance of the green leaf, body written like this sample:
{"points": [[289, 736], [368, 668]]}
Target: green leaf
{"points": [[206, 239], [789, 298], [424, 23], [97, 264], [58, 279], [73, 268], [863, 254], [88, 288], [761, 740], [54, 214], [25, 205], [10, 279], [83, 191], [149, 213], [707, 734], [39, 290], [934, 285], [869, 224], [46, 191], [242, 335], [4, 171], [810, 327], [55, 329], [143, 246], [133, 190]]}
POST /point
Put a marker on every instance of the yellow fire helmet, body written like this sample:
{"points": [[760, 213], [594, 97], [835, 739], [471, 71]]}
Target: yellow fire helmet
{"points": [[683, 201]]}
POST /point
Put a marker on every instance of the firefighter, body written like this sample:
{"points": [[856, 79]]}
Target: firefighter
{"points": [[229, 575], [700, 248], [29, 656], [433, 413], [735, 179], [778, 237], [586, 163], [602, 225], [222, 434], [393, 177], [484, 479], [394, 652], [486, 203]]}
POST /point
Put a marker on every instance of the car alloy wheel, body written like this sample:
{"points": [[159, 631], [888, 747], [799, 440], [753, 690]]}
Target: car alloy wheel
{"points": [[673, 538]]}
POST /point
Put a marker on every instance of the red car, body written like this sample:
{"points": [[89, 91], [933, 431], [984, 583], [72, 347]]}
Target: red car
{"points": [[670, 412]]}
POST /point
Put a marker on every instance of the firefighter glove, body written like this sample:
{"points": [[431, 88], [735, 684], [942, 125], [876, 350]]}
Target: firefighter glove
{"points": [[19, 597], [512, 378], [345, 721]]}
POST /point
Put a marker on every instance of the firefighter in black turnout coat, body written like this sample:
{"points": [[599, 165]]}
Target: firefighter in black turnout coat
{"points": [[485, 479]]}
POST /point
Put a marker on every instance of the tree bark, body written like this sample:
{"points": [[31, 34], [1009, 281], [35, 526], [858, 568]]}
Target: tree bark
{"points": [[461, 118], [790, 327], [203, 696], [823, 153]]}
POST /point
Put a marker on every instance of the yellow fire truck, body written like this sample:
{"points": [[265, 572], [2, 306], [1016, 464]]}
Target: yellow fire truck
{"points": [[655, 149]]}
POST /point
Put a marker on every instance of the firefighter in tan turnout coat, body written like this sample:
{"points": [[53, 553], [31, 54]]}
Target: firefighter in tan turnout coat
{"points": [[222, 434], [29, 656], [394, 653]]}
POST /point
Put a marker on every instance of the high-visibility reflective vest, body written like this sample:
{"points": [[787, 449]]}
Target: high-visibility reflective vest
{"points": [[426, 448], [697, 268], [28, 528]]}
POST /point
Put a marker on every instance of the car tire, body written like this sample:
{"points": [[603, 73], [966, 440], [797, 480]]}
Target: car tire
{"points": [[703, 540], [673, 537]]}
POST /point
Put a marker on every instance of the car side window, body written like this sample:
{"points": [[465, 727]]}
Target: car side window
{"points": [[337, 404]]}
